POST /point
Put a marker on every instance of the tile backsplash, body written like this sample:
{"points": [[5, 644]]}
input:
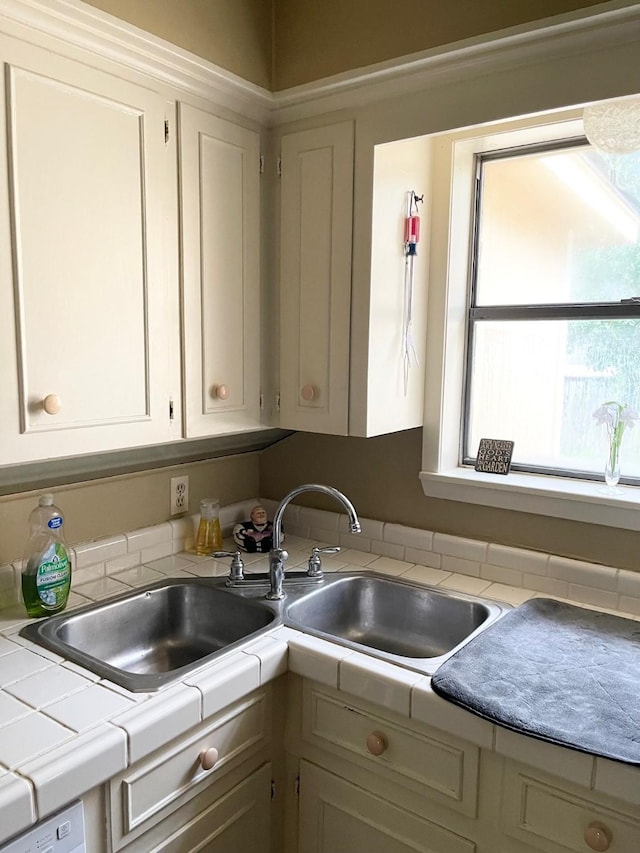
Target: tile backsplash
{"points": [[115, 564]]}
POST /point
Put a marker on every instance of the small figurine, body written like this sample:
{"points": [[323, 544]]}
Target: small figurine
{"points": [[255, 535]]}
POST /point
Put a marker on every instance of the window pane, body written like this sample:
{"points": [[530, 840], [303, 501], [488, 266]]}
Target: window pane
{"points": [[538, 384], [559, 226]]}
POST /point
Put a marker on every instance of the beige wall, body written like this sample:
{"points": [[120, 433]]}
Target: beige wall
{"points": [[120, 504], [380, 476], [235, 34], [313, 40], [281, 43]]}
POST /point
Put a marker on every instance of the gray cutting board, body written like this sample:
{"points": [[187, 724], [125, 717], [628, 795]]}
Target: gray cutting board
{"points": [[557, 672]]}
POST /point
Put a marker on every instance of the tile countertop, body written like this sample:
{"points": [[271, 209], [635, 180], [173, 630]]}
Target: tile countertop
{"points": [[63, 730]]}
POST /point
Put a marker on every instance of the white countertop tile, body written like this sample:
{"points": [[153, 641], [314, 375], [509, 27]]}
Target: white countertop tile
{"points": [[20, 664], [82, 710], [70, 770], [7, 646], [567, 763], [169, 565], [43, 688], [314, 658], [224, 683], [156, 722], [273, 655], [17, 805], [377, 681], [12, 709], [29, 737], [428, 707], [389, 566], [101, 588]]}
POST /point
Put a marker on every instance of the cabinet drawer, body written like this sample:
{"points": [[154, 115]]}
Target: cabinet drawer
{"points": [[545, 814], [216, 821], [147, 791], [407, 753], [336, 817]]}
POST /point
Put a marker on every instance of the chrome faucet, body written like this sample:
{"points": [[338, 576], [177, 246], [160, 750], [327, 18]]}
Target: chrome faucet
{"points": [[277, 555]]}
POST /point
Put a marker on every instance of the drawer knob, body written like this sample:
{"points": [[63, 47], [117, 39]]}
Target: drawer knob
{"points": [[221, 392], [308, 393], [208, 758], [52, 404], [376, 743], [597, 836]]}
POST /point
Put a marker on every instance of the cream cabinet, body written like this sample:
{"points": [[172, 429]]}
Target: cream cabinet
{"points": [[549, 815], [85, 330], [338, 817], [372, 780], [353, 336], [208, 790], [315, 278], [220, 239]]}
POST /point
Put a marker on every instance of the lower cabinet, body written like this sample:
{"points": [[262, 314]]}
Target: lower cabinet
{"points": [[209, 790], [213, 822], [376, 781], [371, 780], [553, 816], [338, 817]]}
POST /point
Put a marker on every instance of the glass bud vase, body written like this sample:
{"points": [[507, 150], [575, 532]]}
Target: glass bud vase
{"points": [[612, 466]]}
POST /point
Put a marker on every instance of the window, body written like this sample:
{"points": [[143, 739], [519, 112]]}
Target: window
{"points": [[532, 319], [554, 308]]}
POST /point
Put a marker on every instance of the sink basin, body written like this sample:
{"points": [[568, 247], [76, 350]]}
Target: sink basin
{"points": [[408, 624], [147, 638]]}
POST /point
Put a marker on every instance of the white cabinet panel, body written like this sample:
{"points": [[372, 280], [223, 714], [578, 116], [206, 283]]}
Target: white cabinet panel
{"points": [[82, 279], [344, 367], [387, 381], [315, 279], [237, 820], [220, 198], [337, 817], [554, 817]]}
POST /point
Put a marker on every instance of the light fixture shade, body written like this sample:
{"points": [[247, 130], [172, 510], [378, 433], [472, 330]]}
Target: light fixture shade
{"points": [[613, 126]]}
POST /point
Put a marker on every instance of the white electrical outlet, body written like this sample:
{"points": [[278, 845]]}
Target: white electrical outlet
{"points": [[179, 495]]}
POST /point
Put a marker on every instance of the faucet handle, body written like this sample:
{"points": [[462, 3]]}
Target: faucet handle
{"points": [[315, 561], [236, 570]]}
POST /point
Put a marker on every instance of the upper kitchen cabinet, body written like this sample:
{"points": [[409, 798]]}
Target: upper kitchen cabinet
{"points": [[390, 289], [84, 326], [315, 278], [353, 336], [220, 233]]}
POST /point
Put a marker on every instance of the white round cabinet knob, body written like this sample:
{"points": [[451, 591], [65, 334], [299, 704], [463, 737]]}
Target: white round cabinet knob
{"points": [[376, 743], [52, 404], [308, 393], [221, 392], [597, 836], [208, 758]]}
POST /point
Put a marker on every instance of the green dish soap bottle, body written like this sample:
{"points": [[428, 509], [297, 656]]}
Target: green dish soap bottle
{"points": [[46, 570]]}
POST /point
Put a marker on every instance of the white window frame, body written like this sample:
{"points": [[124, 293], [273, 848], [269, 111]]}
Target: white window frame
{"points": [[442, 475]]}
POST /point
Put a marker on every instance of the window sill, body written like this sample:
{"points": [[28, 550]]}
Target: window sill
{"points": [[557, 497]]}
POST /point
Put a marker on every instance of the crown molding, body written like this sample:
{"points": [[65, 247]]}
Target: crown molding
{"points": [[86, 28], [598, 27], [89, 29]]}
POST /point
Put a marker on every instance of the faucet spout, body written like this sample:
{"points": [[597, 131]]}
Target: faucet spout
{"points": [[278, 556]]}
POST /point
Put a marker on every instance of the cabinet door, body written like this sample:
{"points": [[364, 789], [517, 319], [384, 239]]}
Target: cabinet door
{"points": [[220, 197], [315, 278], [83, 326], [337, 817], [238, 820]]}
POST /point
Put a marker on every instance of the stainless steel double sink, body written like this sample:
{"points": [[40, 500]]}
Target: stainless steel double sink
{"points": [[154, 636]]}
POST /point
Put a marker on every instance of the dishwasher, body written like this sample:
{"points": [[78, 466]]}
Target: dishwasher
{"points": [[63, 832]]}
